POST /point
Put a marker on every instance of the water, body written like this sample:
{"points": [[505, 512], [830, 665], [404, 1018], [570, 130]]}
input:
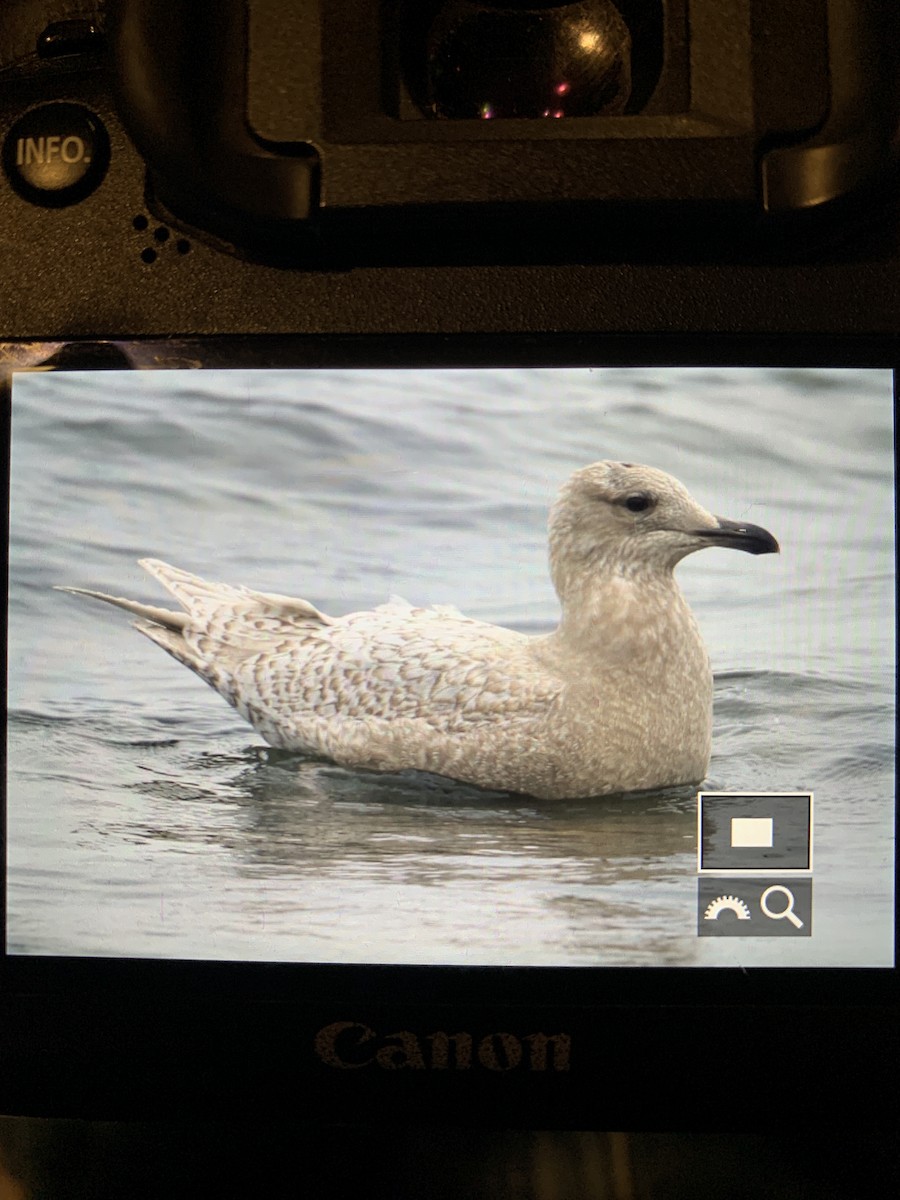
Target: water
{"points": [[146, 819]]}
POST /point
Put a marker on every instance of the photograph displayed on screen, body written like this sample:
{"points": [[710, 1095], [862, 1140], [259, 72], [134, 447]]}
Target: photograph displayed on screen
{"points": [[524, 666]]}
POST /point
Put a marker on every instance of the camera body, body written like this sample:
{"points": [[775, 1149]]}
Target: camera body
{"points": [[303, 181], [286, 160]]}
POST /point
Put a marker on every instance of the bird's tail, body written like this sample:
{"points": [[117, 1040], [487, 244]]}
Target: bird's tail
{"points": [[160, 625], [163, 617]]}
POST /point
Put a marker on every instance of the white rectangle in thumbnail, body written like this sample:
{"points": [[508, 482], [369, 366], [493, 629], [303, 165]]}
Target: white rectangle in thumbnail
{"points": [[751, 831]]}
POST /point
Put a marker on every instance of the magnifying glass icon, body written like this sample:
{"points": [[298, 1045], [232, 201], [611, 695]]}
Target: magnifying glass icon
{"points": [[787, 911]]}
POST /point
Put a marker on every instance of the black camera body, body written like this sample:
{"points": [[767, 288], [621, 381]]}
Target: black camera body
{"points": [[337, 183], [293, 162]]}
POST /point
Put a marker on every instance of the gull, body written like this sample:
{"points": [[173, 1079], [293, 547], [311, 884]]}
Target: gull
{"points": [[618, 698]]}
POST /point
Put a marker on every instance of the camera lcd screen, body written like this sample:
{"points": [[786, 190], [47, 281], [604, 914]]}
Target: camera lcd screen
{"points": [[147, 818]]}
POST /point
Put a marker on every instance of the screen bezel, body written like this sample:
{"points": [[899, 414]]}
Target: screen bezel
{"points": [[135, 1013]]}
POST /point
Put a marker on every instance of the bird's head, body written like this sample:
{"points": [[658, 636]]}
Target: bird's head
{"points": [[636, 521]]}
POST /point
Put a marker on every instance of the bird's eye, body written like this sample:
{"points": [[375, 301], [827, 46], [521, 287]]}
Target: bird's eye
{"points": [[638, 502]]}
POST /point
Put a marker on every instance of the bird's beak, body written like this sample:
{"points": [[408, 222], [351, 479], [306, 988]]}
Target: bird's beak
{"points": [[739, 535]]}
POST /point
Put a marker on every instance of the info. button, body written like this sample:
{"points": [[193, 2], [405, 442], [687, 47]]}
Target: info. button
{"points": [[56, 154]]}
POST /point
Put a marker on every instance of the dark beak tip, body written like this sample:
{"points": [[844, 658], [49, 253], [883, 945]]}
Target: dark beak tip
{"points": [[764, 540], [740, 535]]}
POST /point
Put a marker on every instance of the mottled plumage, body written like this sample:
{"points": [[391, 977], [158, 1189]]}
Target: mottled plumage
{"points": [[617, 698]]}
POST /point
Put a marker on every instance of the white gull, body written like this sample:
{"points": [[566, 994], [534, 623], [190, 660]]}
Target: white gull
{"points": [[617, 699]]}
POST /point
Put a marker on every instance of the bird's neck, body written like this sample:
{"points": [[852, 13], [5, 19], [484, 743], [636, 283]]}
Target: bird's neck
{"points": [[628, 610]]}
